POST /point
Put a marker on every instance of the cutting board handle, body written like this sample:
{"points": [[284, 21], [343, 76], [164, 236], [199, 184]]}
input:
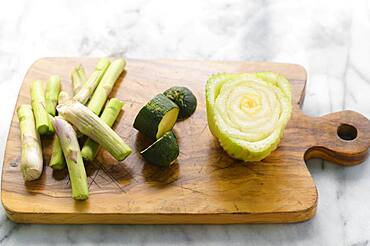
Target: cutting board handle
{"points": [[341, 137]]}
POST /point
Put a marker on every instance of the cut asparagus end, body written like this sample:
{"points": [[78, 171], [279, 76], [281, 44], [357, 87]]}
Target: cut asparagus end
{"points": [[95, 128], [109, 116], [43, 124], [43, 129], [90, 150], [104, 88], [30, 173], [89, 87], [31, 161], [80, 196], [51, 94], [72, 154]]}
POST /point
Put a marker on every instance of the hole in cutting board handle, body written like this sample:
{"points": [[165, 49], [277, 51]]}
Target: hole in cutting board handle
{"points": [[347, 132]]}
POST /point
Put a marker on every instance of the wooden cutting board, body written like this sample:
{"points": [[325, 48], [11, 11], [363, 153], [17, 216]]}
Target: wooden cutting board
{"points": [[205, 185]]}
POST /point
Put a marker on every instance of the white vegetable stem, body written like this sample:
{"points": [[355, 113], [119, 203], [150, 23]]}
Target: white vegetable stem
{"points": [[72, 154], [95, 128], [31, 162]]}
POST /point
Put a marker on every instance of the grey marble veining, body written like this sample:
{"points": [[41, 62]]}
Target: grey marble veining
{"points": [[330, 38]]}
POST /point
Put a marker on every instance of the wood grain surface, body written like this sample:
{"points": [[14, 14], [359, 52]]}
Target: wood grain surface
{"points": [[204, 185]]}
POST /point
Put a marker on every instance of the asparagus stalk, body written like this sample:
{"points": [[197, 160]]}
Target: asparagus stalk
{"points": [[109, 116], [43, 123], [31, 161], [95, 128], [78, 78], [63, 98], [51, 127], [72, 153], [51, 94], [88, 88], [57, 160], [104, 88]]}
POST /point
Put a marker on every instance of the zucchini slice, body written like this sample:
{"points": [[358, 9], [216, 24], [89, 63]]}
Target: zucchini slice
{"points": [[157, 117], [184, 98], [162, 152], [248, 113]]}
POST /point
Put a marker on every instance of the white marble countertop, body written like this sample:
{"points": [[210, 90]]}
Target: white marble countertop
{"points": [[330, 38]]}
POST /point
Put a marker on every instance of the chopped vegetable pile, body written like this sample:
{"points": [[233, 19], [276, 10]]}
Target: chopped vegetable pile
{"points": [[74, 119]]}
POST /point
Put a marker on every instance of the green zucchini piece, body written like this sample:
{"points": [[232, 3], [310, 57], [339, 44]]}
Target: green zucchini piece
{"points": [[157, 117], [184, 98], [248, 112], [162, 152]]}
